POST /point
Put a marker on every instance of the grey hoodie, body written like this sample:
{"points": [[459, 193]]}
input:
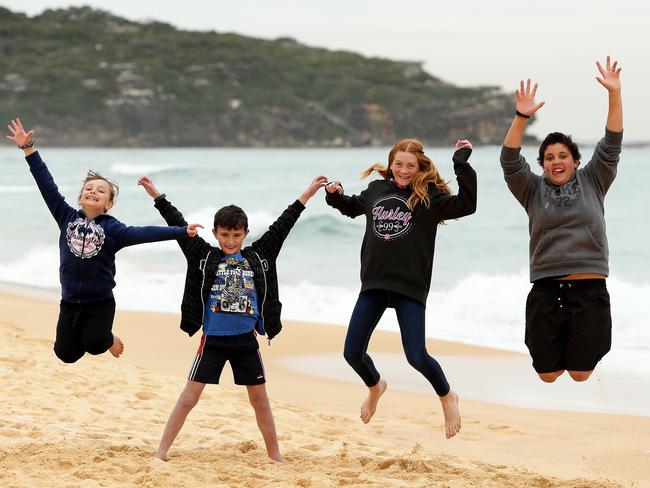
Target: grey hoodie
{"points": [[566, 223]]}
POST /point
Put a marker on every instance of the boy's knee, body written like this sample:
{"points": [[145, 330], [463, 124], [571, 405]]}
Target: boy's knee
{"points": [[188, 400], [258, 397]]}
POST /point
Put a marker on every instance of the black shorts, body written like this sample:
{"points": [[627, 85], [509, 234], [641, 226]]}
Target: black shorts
{"points": [[241, 350], [568, 324], [84, 328]]}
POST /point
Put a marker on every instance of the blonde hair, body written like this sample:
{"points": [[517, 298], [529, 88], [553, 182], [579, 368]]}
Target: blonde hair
{"points": [[94, 175], [427, 172]]}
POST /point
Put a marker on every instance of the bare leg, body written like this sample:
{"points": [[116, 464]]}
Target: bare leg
{"points": [[186, 402], [117, 348], [264, 416], [580, 375], [370, 405], [550, 377], [452, 414]]}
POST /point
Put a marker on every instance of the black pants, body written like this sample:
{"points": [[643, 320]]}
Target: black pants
{"points": [[84, 328], [410, 316]]}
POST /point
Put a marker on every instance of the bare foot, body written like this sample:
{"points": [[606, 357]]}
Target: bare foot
{"points": [[160, 455], [117, 348], [278, 458], [370, 405], [452, 414]]}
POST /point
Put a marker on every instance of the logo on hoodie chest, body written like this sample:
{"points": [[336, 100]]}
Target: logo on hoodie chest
{"points": [[85, 238], [391, 217]]}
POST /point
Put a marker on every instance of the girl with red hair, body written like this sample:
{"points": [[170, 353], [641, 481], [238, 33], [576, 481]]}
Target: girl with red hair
{"points": [[403, 209]]}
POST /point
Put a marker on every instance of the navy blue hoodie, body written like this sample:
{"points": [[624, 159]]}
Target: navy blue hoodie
{"points": [[87, 246]]}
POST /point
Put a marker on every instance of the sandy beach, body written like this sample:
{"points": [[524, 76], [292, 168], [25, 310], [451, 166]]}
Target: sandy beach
{"points": [[97, 422]]}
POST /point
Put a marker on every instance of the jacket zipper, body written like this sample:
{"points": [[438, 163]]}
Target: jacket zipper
{"points": [[264, 297], [202, 265], [81, 258]]}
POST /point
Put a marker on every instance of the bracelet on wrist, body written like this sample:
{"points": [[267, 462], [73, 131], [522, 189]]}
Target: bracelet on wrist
{"points": [[27, 146], [519, 114]]}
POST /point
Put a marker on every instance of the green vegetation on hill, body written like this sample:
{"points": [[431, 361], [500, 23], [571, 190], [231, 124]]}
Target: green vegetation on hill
{"points": [[84, 77]]}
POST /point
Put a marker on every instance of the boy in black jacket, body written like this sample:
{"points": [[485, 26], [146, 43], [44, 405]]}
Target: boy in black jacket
{"points": [[233, 294]]}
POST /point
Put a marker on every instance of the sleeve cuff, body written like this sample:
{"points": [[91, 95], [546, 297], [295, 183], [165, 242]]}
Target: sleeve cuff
{"points": [[613, 138], [298, 205], [462, 155], [510, 154]]}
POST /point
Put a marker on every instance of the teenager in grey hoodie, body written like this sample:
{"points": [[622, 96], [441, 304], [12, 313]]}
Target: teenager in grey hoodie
{"points": [[568, 319]]}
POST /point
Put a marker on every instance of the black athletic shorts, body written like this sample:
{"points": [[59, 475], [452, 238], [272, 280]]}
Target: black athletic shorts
{"points": [[241, 350], [84, 328], [568, 324]]}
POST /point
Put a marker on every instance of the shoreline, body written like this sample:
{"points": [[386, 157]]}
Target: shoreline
{"points": [[100, 403], [630, 390]]}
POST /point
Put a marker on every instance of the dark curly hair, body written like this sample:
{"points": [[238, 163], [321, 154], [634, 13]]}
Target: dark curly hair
{"points": [[554, 138]]}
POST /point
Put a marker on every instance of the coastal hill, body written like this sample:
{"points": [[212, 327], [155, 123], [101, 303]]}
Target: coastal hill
{"points": [[84, 77]]}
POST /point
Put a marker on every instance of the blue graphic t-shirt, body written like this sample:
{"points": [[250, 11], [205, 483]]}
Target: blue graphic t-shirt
{"points": [[232, 307]]}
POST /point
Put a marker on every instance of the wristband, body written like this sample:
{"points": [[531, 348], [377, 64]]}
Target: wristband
{"points": [[519, 114], [159, 197], [28, 145]]}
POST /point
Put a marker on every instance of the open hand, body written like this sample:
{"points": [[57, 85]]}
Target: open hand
{"points": [[610, 75], [18, 134], [525, 98], [146, 183], [314, 186], [192, 229]]}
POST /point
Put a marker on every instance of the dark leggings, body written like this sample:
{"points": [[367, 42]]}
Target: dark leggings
{"points": [[410, 316], [84, 328]]}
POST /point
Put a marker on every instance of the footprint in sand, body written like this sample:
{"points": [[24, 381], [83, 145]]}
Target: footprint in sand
{"points": [[311, 447], [506, 429], [347, 474], [145, 395], [386, 464], [334, 432]]}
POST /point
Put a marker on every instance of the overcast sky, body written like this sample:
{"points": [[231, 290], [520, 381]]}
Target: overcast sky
{"points": [[467, 43]]}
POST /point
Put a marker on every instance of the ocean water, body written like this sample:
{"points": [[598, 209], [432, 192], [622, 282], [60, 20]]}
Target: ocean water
{"points": [[480, 277]]}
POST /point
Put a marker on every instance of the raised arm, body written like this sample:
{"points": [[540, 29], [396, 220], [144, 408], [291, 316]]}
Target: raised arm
{"points": [[525, 107], [350, 206], [456, 206], [611, 80], [171, 214], [315, 185], [24, 140], [55, 202], [602, 166], [271, 241], [519, 177]]}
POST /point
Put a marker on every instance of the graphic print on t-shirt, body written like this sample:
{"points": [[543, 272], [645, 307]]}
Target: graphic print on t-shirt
{"points": [[233, 287], [562, 196], [85, 239], [391, 217]]}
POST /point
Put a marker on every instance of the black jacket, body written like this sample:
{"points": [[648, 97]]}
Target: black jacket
{"points": [[202, 260]]}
